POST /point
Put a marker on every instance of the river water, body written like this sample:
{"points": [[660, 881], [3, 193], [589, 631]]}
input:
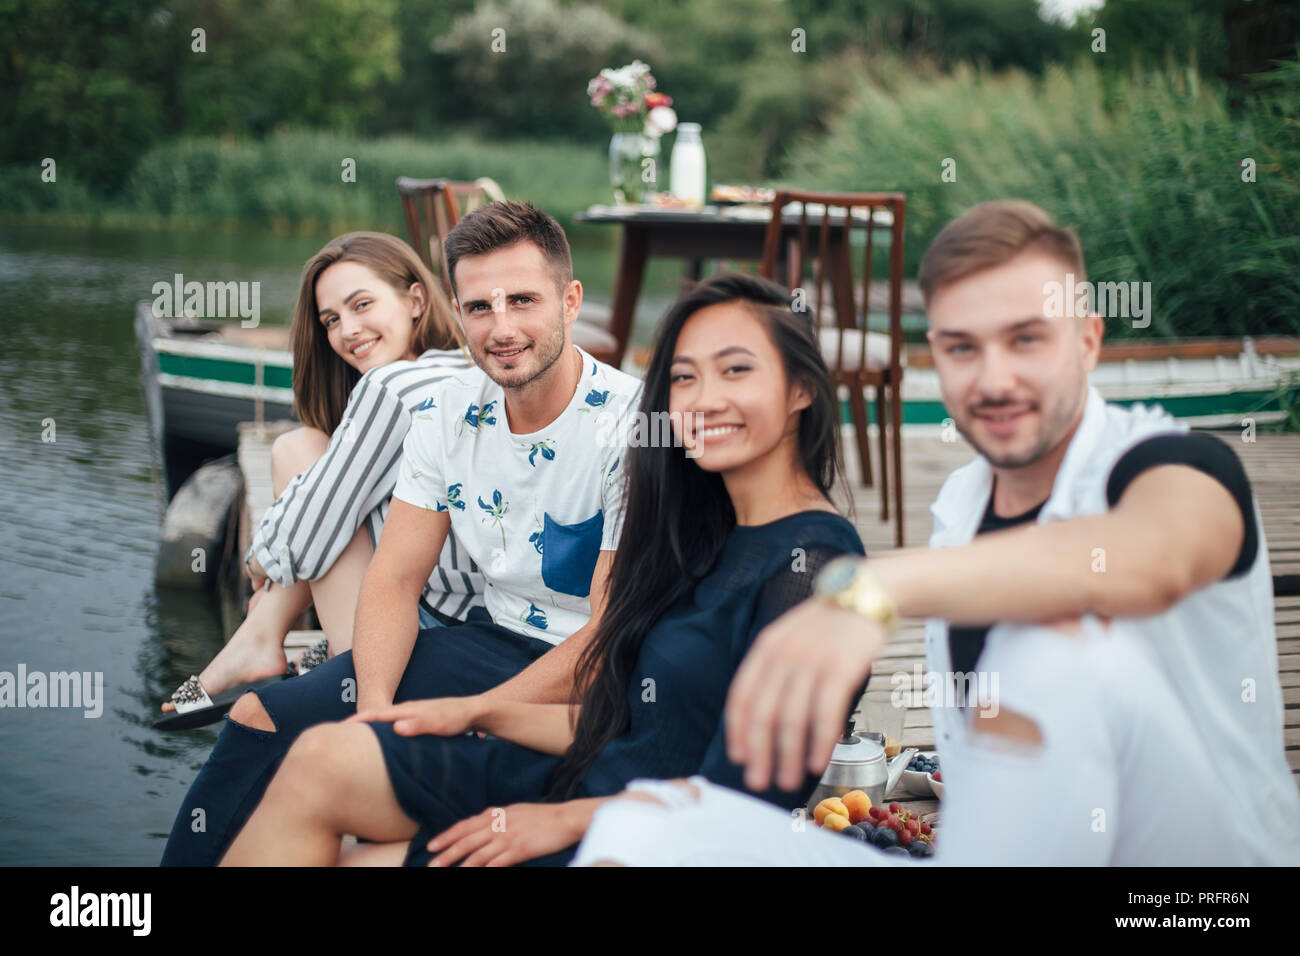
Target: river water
{"points": [[81, 504]]}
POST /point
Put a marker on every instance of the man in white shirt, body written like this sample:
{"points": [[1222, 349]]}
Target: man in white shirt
{"points": [[517, 458], [1122, 514]]}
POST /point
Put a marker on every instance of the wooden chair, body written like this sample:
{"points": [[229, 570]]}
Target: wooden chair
{"points": [[819, 245], [432, 207]]}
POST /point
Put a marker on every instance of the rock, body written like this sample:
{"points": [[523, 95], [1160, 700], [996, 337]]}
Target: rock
{"points": [[195, 527]]}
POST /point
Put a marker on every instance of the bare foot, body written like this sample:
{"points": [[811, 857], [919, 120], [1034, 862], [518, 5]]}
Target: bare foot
{"points": [[246, 657]]}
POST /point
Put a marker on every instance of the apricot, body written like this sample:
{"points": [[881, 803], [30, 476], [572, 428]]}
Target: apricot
{"points": [[858, 804], [836, 822], [829, 805]]}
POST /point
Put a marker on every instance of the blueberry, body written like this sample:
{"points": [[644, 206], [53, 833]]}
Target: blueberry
{"points": [[856, 832], [919, 848], [896, 851], [885, 837]]}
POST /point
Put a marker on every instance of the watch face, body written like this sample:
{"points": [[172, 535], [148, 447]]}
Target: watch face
{"points": [[837, 575]]}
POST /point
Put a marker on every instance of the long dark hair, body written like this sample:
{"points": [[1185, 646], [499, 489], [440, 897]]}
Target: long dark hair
{"points": [[678, 515]]}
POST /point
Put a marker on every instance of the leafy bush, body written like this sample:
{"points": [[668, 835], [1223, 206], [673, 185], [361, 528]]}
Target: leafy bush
{"points": [[1147, 168], [293, 181]]}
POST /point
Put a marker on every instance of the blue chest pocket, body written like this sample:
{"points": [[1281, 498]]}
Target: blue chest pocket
{"points": [[569, 553]]}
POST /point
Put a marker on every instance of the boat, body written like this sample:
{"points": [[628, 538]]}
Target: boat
{"points": [[1206, 383], [202, 378]]}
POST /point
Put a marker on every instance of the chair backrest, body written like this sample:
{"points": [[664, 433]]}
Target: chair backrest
{"points": [[811, 235], [432, 207]]}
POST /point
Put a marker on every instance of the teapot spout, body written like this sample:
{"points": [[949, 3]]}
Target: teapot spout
{"points": [[896, 768]]}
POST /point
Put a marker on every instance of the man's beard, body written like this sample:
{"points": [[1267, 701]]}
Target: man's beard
{"points": [[1055, 421], [546, 352]]}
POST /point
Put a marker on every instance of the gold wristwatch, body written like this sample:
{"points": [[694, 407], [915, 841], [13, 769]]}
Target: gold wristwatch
{"points": [[847, 582]]}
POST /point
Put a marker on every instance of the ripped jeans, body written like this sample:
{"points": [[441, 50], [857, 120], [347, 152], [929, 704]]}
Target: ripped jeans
{"points": [[445, 662]]}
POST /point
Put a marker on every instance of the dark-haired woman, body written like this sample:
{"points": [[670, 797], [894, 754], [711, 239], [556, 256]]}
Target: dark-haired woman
{"points": [[366, 304], [719, 539]]}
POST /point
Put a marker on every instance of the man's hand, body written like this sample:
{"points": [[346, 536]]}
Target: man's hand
{"points": [[504, 836], [791, 692], [442, 716]]}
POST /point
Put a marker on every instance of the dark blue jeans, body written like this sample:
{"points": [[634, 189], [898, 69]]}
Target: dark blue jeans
{"points": [[445, 662]]}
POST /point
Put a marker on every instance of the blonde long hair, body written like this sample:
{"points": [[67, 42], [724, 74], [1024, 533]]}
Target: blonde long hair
{"points": [[322, 380]]}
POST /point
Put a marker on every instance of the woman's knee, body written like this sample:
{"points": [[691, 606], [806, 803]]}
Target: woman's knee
{"points": [[294, 452], [248, 710]]}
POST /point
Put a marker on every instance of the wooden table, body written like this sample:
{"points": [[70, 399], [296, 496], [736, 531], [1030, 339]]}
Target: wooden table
{"points": [[712, 232]]}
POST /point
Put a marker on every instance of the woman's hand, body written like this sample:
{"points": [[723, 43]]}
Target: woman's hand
{"points": [[256, 575], [787, 702], [442, 716], [504, 836]]}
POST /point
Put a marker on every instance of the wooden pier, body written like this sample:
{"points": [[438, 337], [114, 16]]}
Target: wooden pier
{"points": [[254, 456]]}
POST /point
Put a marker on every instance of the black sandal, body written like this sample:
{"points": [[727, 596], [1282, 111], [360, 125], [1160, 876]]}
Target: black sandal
{"points": [[194, 708]]}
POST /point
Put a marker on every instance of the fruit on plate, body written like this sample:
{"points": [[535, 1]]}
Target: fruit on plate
{"points": [[885, 837], [741, 194], [895, 828], [858, 804], [938, 776], [829, 805], [835, 821], [924, 764]]}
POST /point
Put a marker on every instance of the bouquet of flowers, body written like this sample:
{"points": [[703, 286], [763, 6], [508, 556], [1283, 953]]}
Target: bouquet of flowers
{"points": [[627, 96]]}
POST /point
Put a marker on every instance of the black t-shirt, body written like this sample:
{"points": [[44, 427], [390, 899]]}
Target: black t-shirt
{"points": [[1195, 449]]}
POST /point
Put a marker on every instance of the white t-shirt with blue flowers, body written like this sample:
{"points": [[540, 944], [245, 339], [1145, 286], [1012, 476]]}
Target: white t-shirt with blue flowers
{"points": [[533, 511]]}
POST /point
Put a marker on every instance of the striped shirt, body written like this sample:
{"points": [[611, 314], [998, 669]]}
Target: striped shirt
{"points": [[309, 525]]}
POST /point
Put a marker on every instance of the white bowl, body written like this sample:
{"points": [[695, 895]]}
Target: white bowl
{"points": [[920, 784]]}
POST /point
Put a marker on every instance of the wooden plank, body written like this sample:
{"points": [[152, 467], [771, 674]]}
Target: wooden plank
{"points": [[300, 639]]}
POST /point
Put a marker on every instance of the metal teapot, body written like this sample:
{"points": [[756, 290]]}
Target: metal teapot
{"points": [[859, 764]]}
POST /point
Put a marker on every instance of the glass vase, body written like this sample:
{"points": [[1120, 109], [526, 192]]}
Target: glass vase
{"points": [[633, 167]]}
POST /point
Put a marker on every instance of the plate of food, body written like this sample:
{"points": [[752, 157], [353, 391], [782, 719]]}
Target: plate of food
{"points": [[923, 777], [891, 828], [730, 195]]}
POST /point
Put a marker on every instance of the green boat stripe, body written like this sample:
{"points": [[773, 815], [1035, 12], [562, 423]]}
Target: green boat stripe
{"points": [[932, 412], [223, 370]]}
